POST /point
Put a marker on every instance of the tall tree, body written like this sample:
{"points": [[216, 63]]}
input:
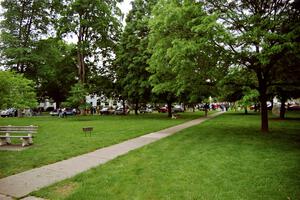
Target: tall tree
{"points": [[24, 22], [133, 54], [183, 49], [54, 69], [96, 26], [257, 38]]}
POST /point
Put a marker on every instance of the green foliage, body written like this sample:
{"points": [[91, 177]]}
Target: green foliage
{"points": [[24, 22], [184, 55], [133, 54], [249, 98], [54, 69], [16, 91], [237, 82], [77, 96], [259, 33], [96, 26]]}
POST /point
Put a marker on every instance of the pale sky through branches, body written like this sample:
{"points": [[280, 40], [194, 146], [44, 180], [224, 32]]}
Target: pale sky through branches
{"points": [[125, 7]]}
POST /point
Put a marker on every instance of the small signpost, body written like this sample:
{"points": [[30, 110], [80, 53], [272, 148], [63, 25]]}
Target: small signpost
{"points": [[87, 130]]}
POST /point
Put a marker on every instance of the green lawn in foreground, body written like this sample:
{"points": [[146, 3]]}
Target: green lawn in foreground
{"points": [[223, 158], [62, 138]]}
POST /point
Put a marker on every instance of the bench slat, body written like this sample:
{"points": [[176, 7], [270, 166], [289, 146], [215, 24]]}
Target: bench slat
{"points": [[23, 131], [14, 136], [18, 129]]}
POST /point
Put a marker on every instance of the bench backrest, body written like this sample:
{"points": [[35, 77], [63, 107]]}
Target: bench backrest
{"points": [[18, 129]]}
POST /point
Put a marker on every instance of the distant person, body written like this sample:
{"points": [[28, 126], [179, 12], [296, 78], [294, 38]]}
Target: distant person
{"points": [[60, 112], [206, 107]]}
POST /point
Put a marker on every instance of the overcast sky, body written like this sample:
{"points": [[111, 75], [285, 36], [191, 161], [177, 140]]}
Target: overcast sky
{"points": [[125, 6]]}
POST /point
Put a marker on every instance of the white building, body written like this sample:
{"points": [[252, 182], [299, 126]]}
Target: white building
{"points": [[102, 101], [47, 104]]}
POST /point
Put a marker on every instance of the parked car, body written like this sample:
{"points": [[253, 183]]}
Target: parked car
{"points": [[54, 112], [293, 107], [177, 108], [145, 110], [11, 112], [70, 111], [67, 111], [120, 111], [162, 109], [107, 111]]}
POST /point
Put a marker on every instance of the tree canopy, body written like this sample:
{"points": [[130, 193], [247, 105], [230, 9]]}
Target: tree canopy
{"points": [[132, 55], [16, 91], [184, 56], [259, 33]]}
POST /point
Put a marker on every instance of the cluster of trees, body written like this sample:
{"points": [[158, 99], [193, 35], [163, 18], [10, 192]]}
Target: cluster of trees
{"points": [[169, 50], [32, 41]]}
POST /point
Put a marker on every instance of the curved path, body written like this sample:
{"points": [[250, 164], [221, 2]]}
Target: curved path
{"points": [[20, 185]]}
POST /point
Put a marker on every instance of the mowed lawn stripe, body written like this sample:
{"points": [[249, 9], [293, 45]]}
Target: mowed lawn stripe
{"points": [[223, 158]]}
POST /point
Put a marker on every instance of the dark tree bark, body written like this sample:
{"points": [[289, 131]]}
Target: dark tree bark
{"points": [[262, 89], [264, 109], [136, 107], [80, 55], [246, 110], [169, 103]]}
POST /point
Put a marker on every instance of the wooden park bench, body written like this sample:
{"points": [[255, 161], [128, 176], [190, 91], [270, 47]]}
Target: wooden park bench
{"points": [[8, 132]]}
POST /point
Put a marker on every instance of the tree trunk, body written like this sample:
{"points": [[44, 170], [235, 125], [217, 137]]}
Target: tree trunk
{"points": [[80, 55], [169, 108], [246, 110], [264, 116], [81, 69], [19, 68], [282, 108], [262, 82], [136, 107]]}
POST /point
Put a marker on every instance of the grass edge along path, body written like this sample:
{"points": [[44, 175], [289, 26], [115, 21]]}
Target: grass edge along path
{"points": [[22, 184], [224, 158]]}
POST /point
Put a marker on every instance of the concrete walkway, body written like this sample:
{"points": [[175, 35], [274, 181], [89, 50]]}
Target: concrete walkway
{"points": [[20, 185]]}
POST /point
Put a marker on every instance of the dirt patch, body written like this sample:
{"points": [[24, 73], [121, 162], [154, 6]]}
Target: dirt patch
{"points": [[13, 147], [66, 190]]}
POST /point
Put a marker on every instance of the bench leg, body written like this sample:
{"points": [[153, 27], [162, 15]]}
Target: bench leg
{"points": [[30, 139], [6, 140], [3, 141], [25, 141]]}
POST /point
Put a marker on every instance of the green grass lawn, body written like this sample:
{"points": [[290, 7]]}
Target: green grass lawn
{"points": [[62, 138], [223, 158]]}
